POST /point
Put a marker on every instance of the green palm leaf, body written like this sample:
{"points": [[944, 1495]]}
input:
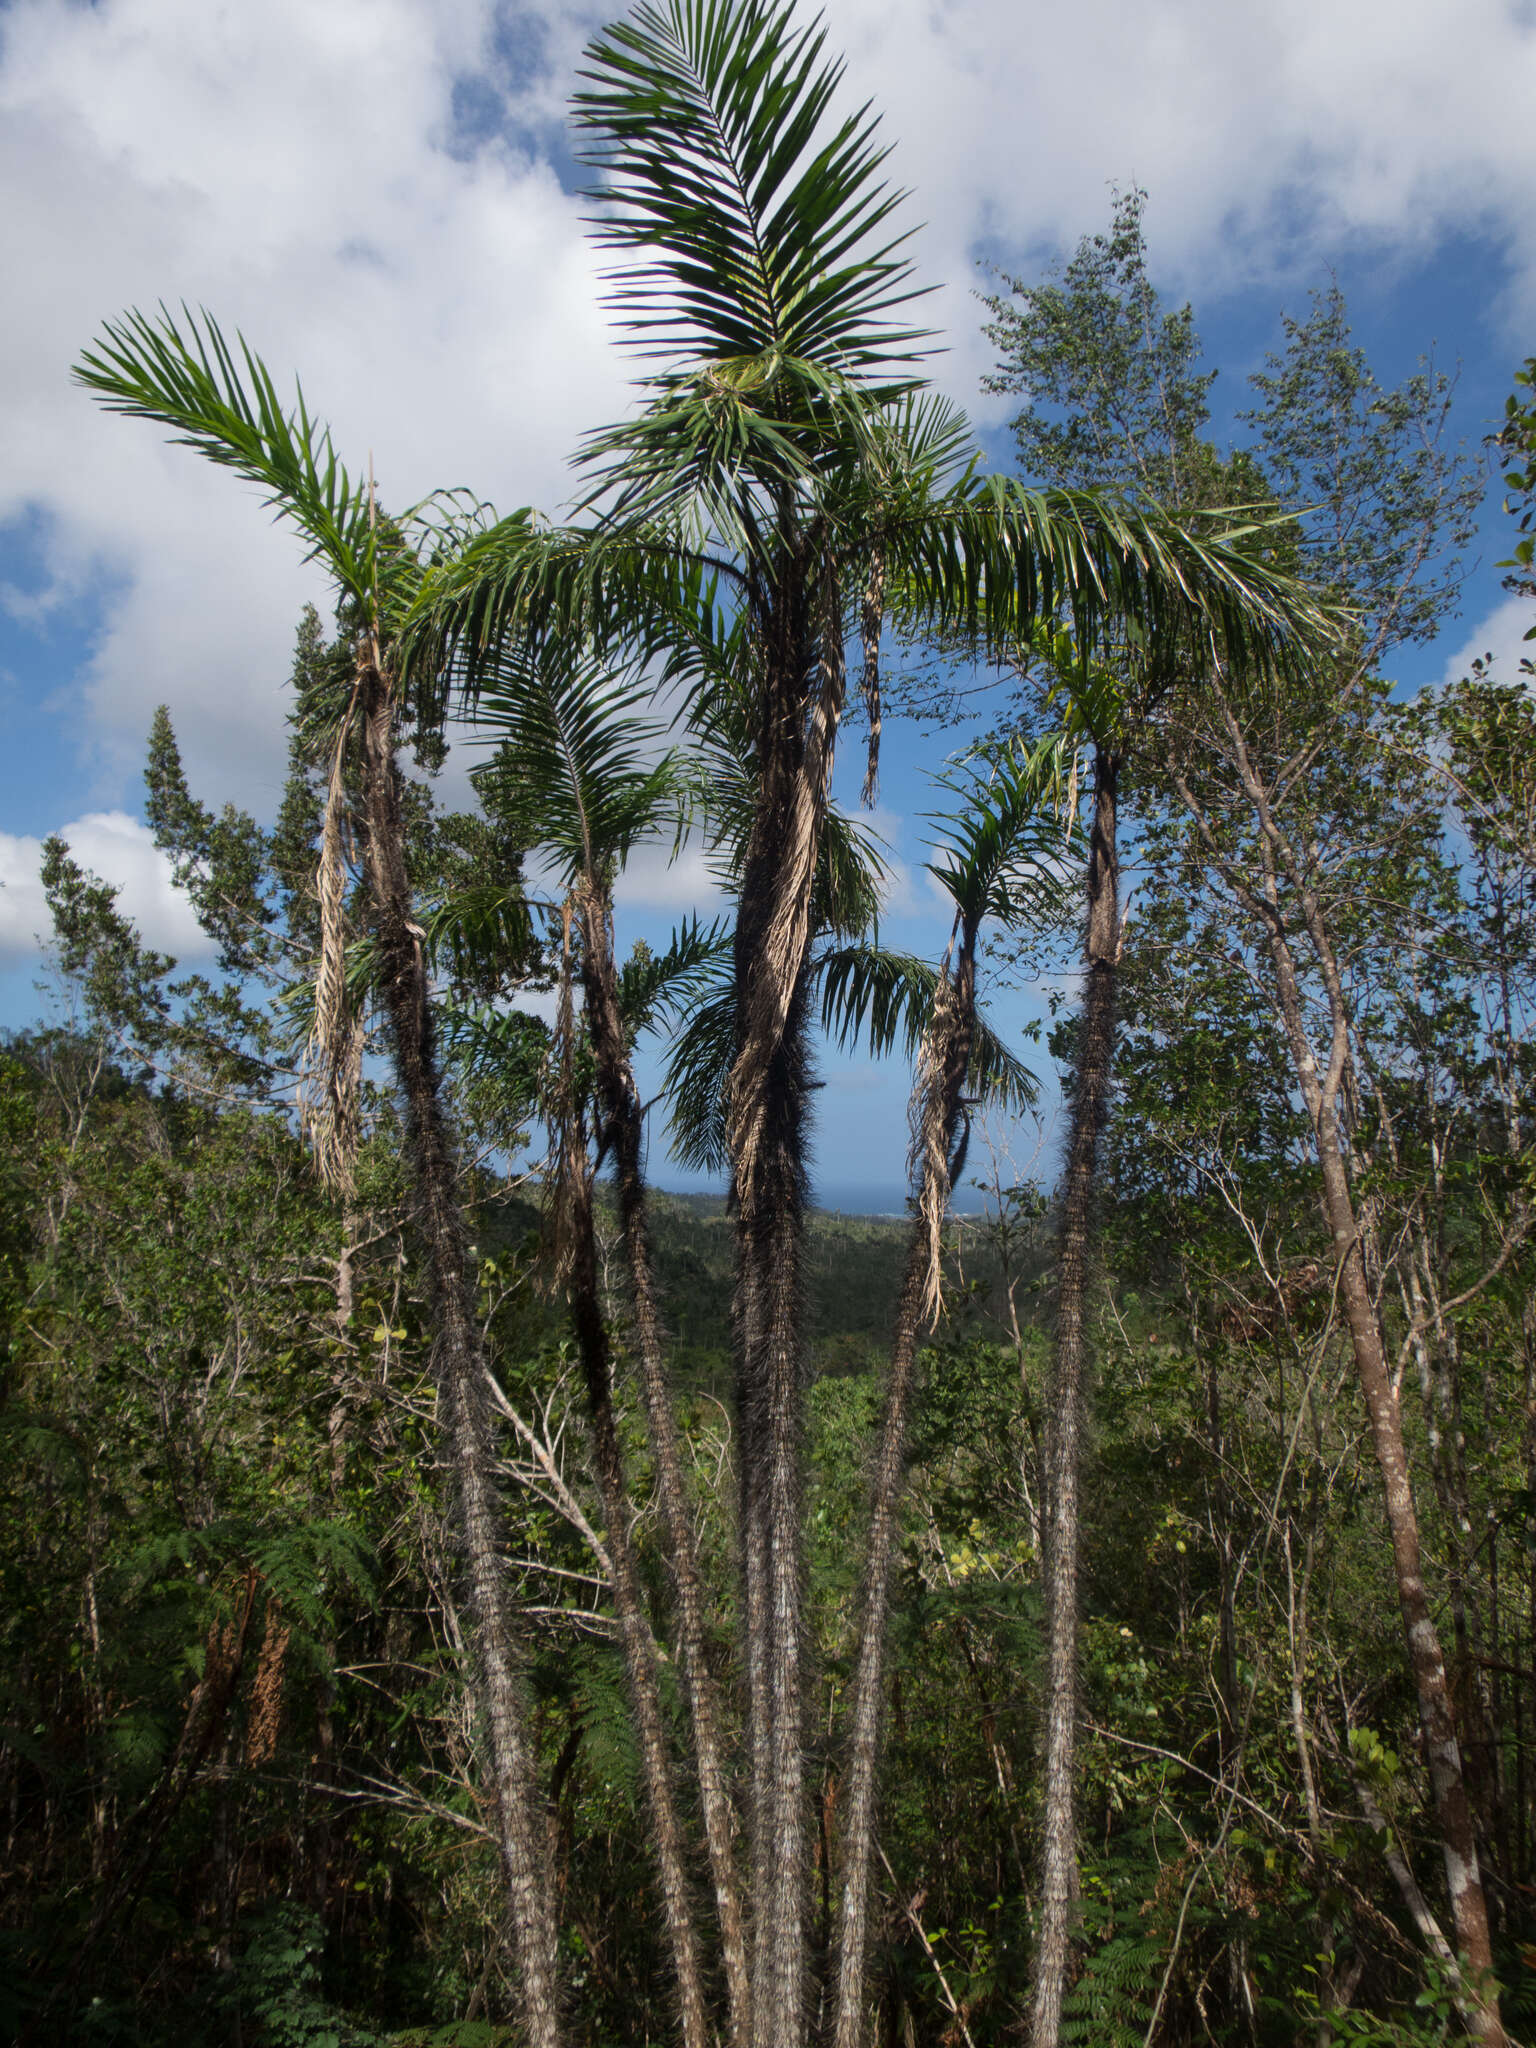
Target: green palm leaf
{"points": [[195, 385], [656, 988], [752, 217], [698, 1066], [577, 765], [883, 1000], [478, 933], [999, 853]]}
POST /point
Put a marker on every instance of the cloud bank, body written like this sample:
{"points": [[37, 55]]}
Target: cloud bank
{"points": [[378, 192], [119, 850]]}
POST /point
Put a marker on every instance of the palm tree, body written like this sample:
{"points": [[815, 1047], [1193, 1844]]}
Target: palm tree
{"points": [[229, 411], [788, 463], [1096, 712], [578, 768], [1001, 861]]}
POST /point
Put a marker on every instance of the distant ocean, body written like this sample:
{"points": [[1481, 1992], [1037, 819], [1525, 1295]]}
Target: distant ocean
{"points": [[858, 1198], [852, 1199]]}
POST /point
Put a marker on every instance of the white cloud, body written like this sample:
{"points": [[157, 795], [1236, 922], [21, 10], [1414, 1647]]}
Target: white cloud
{"points": [[1501, 635], [1271, 138], [285, 166], [116, 848], [301, 171], [652, 880]]}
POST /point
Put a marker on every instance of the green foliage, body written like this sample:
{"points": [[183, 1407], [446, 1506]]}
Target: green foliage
{"points": [[1517, 453], [750, 227], [1370, 473], [1114, 393], [276, 1992]]}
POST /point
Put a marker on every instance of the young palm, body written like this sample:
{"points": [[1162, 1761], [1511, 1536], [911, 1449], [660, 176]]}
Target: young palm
{"points": [[571, 767], [787, 457], [1000, 859], [228, 410]]}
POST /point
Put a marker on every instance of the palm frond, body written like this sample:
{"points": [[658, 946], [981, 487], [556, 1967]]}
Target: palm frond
{"points": [[999, 850], [479, 934], [578, 762], [659, 987], [222, 401], [851, 873], [505, 1045], [752, 216], [640, 595], [993, 558], [881, 1000], [698, 1067]]}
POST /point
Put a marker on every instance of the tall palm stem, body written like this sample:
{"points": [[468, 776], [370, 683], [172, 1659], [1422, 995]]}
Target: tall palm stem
{"points": [[623, 1131], [940, 1083], [459, 1365], [800, 706], [770, 1306], [639, 1645], [1064, 1404]]}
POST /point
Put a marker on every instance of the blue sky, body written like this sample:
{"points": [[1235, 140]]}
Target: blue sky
{"points": [[380, 193]]}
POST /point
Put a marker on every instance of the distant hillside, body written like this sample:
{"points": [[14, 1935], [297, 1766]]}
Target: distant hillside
{"points": [[853, 1276]]}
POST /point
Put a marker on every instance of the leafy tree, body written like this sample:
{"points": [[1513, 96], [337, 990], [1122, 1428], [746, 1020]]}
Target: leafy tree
{"points": [[1517, 450], [1116, 399], [1392, 505]]}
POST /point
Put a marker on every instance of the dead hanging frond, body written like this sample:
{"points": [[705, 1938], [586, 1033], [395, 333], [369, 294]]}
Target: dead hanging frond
{"points": [[872, 622], [333, 1057], [570, 1194], [1069, 809], [932, 1118], [266, 1710], [775, 972]]}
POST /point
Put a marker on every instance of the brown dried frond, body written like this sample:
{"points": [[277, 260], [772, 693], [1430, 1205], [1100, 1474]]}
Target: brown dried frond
{"points": [[928, 1159], [1069, 813], [334, 1054], [571, 1182], [267, 1691]]}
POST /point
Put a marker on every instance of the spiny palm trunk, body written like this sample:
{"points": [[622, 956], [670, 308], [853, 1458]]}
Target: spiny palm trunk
{"points": [[1064, 1404], [940, 1083], [459, 1367], [634, 1630], [620, 1102], [770, 1293]]}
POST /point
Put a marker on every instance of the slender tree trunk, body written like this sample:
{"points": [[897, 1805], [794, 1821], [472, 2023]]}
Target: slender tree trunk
{"points": [[620, 1102], [459, 1367], [1320, 1091], [801, 704], [634, 1629], [1469, 1911], [940, 1084], [1063, 1419], [770, 1228]]}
